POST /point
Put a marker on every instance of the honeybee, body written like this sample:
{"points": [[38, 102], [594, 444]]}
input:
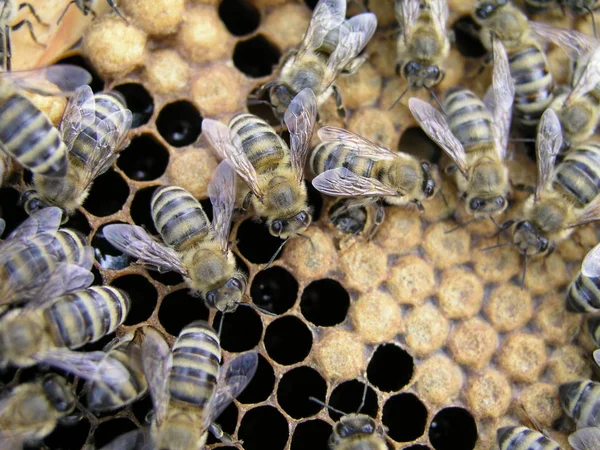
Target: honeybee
{"points": [[475, 136], [583, 294], [273, 173], [593, 324], [87, 6], [195, 248], [523, 438], [6, 167], [348, 165], [580, 400], [585, 439], [8, 11], [348, 219], [31, 411], [93, 128], [331, 45]]}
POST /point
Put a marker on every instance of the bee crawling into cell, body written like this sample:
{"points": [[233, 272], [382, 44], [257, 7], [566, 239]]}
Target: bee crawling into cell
{"points": [[523, 438]]}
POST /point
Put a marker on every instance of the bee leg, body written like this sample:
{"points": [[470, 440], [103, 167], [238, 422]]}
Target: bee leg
{"points": [[355, 64], [218, 433], [377, 221], [7, 49], [487, 60], [30, 27], [337, 95], [113, 5], [32, 11], [246, 202]]}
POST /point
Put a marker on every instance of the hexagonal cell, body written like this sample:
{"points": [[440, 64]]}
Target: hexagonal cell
{"points": [[274, 289], [453, 429], [109, 430], [473, 343], [144, 159], [140, 209], [325, 303], [340, 355], [353, 397], [142, 294], [439, 380], [79, 222], [313, 434], [460, 294], [10, 210], [415, 142], [412, 280], [169, 313], [107, 195], [263, 428], [262, 384], [540, 403], [107, 256], [509, 307], [179, 123], [466, 43], [488, 394], [405, 417], [239, 16], [77, 433], [295, 388], [523, 357], [288, 340], [241, 329], [376, 317], [447, 248], [255, 242], [139, 101], [256, 56], [379, 373], [426, 329]]}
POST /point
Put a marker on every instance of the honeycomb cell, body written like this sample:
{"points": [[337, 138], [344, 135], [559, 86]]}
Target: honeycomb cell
{"points": [[218, 89], [194, 181], [348, 397], [546, 274], [402, 227], [447, 249], [142, 294], [255, 243], [144, 159], [97, 277], [523, 357], [496, 265], [351, 221], [426, 329], [314, 200], [405, 417], [139, 101], [256, 56], [467, 44], [203, 37], [295, 388], [361, 88], [108, 194], [540, 403], [274, 290], [79, 222], [412, 280], [460, 294], [415, 142], [97, 83], [263, 428], [107, 256], [568, 363], [10, 209], [141, 410], [324, 303], [313, 434], [179, 123], [241, 329], [375, 125], [509, 307], [376, 317], [417, 447], [261, 385], [166, 72], [453, 429], [140, 209], [339, 355], [77, 433], [157, 18], [283, 32], [109, 430], [379, 373], [438, 380], [556, 325], [311, 259], [365, 266], [288, 340], [473, 343], [170, 312], [239, 16], [488, 394]]}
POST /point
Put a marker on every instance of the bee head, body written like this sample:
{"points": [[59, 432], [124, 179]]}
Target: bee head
{"points": [[478, 206], [529, 240], [31, 202], [59, 393], [284, 228], [227, 297], [420, 75], [487, 8], [281, 97], [354, 424]]}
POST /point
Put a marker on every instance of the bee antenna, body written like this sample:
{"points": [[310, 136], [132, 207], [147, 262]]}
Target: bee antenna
{"points": [[524, 271], [325, 405], [491, 247], [443, 197], [221, 325], [399, 98], [463, 225], [589, 10], [275, 254], [304, 236], [364, 399], [436, 99], [258, 308]]}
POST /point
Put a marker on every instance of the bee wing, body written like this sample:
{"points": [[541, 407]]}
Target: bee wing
{"points": [[300, 118], [590, 76], [138, 439], [435, 126], [591, 263], [503, 94], [439, 13], [157, 360], [407, 13], [229, 146], [596, 355], [363, 146], [354, 35], [59, 79], [79, 114], [64, 279], [574, 43], [44, 221], [327, 16], [88, 365], [135, 241], [585, 439], [234, 378], [591, 213], [548, 143], [221, 191], [341, 182]]}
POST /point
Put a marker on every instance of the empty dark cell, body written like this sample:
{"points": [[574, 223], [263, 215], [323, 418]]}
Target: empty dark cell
{"points": [[179, 123], [180, 308], [241, 331], [255, 242], [70, 436], [466, 38], [227, 420], [97, 84], [453, 429], [315, 201], [107, 256], [108, 194], [313, 434], [107, 431], [311, 4], [261, 385], [348, 398], [97, 277], [325, 302], [140, 209], [144, 159], [141, 410], [415, 142], [207, 207], [239, 16], [79, 222], [10, 210], [256, 56], [379, 373], [352, 220], [258, 104], [288, 340], [142, 294], [295, 388], [263, 428], [405, 417], [139, 101], [168, 278], [274, 289], [417, 447]]}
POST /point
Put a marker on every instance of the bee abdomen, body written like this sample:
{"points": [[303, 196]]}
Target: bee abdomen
{"points": [[29, 263], [583, 295], [522, 438], [333, 155], [578, 175], [178, 217], [262, 145], [87, 315], [70, 246], [469, 119], [581, 401]]}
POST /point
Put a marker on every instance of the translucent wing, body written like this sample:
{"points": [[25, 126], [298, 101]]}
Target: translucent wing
{"points": [[60, 79], [157, 360], [407, 13], [591, 213], [234, 378], [503, 88], [363, 146], [585, 439], [327, 16], [548, 143], [300, 118], [435, 126], [228, 146], [87, 365], [591, 264], [221, 191], [135, 241], [341, 182], [46, 220], [439, 14], [79, 114], [596, 355], [590, 75], [574, 43], [64, 279]]}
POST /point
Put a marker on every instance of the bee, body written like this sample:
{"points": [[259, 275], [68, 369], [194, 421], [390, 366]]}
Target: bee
{"points": [[580, 401], [6, 167], [475, 136], [585, 439], [8, 11], [348, 165], [87, 6], [583, 294], [195, 248], [348, 219], [331, 45], [593, 324], [31, 411], [523, 438], [273, 173], [93, 129]]}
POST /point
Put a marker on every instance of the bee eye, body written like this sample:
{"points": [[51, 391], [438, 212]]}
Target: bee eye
{"points": [[344, 430], [211, 298], [499, 201], [484, 11], [433, 71], [302, 217], [476, 204], [412, 68], [543, 244], [277, 226], [367, 428], [237, 283]]}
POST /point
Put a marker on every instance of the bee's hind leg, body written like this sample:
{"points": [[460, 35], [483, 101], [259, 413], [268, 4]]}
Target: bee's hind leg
{"points": [[337, 95], [377, 221]]}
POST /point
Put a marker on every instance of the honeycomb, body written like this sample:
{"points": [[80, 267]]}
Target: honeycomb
{"points": [[449, 345]]}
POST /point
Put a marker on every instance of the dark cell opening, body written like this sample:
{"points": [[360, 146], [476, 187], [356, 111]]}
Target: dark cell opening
{"points": [[179, 123], [405, 417], [97, 84], [79, 222], [241, 331], [311, 4], [379, 373], [107, 431], [325, 303], [139, 101], [168, 278], [466, 38], [140, 209], [142, 408], [207, 207], [77, 434], [256, 56], [315, 201], [350, 221], [259, 104], [10, 210], [144, 159], [227, 420], [107, 256], [415, 142], [417, 447], [239, 16], [295, 388], [108, 194], [274, 289], [142, 294], [263, 428], [453, 429], [97, 277], [313, 434], [255, 242], [27, 176], [261, 385], [288, 340], [180, 308], [348, 397]]}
